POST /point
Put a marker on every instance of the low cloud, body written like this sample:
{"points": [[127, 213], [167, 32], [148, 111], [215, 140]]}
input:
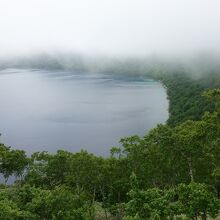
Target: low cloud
{"points": [[114, 28]]}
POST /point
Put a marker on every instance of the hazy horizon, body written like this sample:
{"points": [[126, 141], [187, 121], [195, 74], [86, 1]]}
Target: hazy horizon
{"points": [[116, 28]]}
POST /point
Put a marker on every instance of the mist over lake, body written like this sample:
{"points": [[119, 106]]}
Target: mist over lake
{"points": [[50, 110]]}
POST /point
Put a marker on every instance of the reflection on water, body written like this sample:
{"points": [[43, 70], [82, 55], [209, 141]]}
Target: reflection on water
{"points": [[49, 110]]}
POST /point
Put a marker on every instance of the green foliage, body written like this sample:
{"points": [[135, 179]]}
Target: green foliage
{"points": [[10, 211], [196, 200], [13, 162], [152, 203], [185, 95], [58, 204]]}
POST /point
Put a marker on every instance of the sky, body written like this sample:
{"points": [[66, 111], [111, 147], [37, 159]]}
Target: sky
{"points": [[112, 27]]}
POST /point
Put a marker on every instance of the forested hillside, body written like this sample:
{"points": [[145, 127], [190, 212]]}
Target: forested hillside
{"points": [[185, 95], [173, 171]]}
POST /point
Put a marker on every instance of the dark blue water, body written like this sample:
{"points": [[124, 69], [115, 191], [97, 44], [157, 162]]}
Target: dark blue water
{"points": [[50, 110]]}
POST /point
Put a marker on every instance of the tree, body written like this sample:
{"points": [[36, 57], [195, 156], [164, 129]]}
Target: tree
{"points": [[189, 146], [152, 203], [58, 204], [10, 211], [196, 200], [12, 162]]}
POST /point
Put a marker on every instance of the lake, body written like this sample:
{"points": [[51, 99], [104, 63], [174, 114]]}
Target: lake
{"points": [[50, 110]]}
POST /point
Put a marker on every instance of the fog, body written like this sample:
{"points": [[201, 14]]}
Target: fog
{"points": [[113, 27], [52, 53]]}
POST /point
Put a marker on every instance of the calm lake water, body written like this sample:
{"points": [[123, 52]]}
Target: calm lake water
{"points": [[50, 110]]}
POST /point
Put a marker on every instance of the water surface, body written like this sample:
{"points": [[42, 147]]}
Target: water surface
{"points": [[50, 110]]}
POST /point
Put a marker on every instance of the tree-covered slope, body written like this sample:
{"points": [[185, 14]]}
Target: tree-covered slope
{"points": [[184, 92]]}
